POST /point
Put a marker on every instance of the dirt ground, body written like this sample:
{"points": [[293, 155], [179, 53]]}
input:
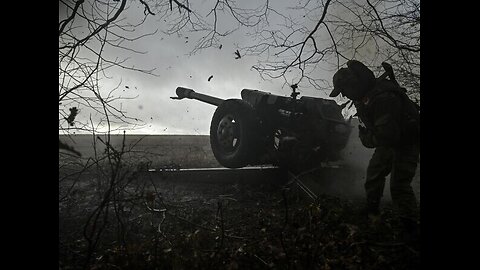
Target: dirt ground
{"points": [[154, 224]]}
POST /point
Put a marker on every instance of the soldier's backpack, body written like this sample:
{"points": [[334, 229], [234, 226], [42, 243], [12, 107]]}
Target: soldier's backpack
{"points": [[410, 120]]}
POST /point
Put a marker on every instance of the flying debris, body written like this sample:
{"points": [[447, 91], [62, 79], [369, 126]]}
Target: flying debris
{"points": [[294, 91], [71, 118], [237, 55], [126, 86], [220, 46], [209, 78]]}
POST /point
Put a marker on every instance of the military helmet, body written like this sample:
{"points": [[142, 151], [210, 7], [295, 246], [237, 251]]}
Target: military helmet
{"points": [[354, 81]]}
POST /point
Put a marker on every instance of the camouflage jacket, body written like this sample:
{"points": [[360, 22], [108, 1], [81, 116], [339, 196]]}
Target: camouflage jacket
{"points": [[388, 117]]}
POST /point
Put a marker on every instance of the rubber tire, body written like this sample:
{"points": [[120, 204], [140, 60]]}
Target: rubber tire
{"points": [[247, 126]]}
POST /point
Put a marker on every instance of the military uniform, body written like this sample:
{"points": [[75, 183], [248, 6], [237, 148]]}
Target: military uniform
{"points": [[387, 116], [392, 127]]}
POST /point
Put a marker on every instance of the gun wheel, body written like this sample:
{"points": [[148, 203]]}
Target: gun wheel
{"points": [[233, 133], [227, 133]]}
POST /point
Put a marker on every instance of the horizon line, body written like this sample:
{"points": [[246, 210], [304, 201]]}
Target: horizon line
{"points": [[136, 134]]}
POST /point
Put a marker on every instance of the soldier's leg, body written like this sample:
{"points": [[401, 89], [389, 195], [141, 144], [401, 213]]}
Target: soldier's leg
{"points": [[403, 171], [378, 168]]}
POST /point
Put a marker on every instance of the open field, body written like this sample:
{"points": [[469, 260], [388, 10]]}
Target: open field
{"points": [[186, 151], [193, 151]]}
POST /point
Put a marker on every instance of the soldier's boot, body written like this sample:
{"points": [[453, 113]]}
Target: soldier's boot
{"points": [[410, 231], [374, 218], [372, 211]]}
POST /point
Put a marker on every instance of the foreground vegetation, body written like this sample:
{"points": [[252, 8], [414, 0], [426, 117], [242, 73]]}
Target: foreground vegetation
{"points": [[128, 220]]}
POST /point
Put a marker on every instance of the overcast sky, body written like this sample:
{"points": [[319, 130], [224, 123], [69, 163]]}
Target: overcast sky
{"points": [[169, 55]]}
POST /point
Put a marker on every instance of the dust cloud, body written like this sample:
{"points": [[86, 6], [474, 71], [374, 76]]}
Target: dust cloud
{"points": [[348, 178]]}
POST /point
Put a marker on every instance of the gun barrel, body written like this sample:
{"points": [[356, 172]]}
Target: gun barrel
{"points": [[183, 92]]}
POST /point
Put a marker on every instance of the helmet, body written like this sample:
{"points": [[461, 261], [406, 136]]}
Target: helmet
{"points": [[354, 81]]}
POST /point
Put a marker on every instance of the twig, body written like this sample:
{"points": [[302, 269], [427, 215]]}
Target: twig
{"points": [[285, 203], [303, 187], [385, 244], [155, 210], [220, 220], [260, 259], [412, 250]]}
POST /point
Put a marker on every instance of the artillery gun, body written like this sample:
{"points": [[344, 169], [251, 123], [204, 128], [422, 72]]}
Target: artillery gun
{"points": [[262, 129]]}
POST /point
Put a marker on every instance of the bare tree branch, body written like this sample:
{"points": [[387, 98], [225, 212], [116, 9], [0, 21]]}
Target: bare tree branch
{"points": [[64, 23]]}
